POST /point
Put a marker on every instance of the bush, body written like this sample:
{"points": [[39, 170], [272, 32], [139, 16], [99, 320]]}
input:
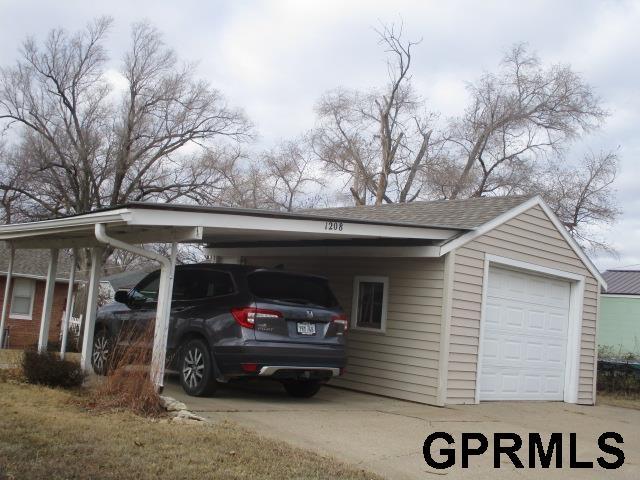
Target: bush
{"points": [[619, 377], [48, 369]]}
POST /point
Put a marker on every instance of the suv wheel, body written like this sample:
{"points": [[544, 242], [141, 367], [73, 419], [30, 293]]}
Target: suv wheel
{"points": [[302, 388], [101, 354], [196, 372]]}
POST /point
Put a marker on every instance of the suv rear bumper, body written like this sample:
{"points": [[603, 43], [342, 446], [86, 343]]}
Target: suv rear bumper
{"points": [[268, 371], [280, 360]]}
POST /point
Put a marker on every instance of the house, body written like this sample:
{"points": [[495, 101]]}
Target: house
{"points": [[451, 302], [27, 295], [126, 280], [503, 309], [619, 326]]}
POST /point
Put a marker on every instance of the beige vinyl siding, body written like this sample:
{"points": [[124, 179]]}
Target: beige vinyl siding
{"points": [[403, 362], [530, 237]]}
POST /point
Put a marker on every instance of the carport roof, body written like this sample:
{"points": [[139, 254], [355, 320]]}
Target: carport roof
{"points": [[159, 222], [465, 214]]}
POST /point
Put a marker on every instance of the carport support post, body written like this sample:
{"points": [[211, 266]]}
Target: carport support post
{"points": [[92, 305], [7, 291], [47, 305], [163, 313], [69, 306]]}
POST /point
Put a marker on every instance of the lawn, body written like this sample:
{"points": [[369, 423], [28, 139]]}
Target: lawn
{"points": [[625, 401], [45, 433]]}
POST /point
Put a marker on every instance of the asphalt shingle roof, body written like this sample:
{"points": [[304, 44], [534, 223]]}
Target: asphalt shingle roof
{"points": [[459, 214], [33, 262], [622, 282]]}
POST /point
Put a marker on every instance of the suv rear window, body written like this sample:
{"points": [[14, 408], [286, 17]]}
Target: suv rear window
{"points": [[291, 288]]}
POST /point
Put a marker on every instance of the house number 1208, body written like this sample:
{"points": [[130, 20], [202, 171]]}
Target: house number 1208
{"points": [[333, 226]]}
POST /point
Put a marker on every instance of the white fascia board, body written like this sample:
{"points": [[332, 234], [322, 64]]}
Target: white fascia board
{"points": [[328, 251], [619, 295], [487, 227], [258, 223], [61, 225], [514, 212], [37, 277]]}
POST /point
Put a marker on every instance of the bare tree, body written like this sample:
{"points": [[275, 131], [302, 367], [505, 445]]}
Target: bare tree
{"points": [[381, 140], [289, 174], [523, 112], [84, 146], [582, 196]]}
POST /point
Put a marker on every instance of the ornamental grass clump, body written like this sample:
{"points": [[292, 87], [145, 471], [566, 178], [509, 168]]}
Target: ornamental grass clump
{"points": [[128, 384]]}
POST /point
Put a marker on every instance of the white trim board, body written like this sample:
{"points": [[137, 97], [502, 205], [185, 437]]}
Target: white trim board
{"points": [[37, 277], [329, 251], [618, 295], [445, 326], [574, 336], [514, 212]]}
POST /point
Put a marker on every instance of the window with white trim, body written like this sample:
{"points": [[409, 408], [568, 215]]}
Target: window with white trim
{"points": [[370, 303], [22, 298]]}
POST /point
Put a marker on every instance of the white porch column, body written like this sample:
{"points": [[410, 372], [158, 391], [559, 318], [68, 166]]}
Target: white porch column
{"points": [[47, 304], [68, 311], [7, 292], [163, 314], [92, 305]]}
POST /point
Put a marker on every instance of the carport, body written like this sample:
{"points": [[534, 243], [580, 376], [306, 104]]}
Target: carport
{"points": [[128, 226]]}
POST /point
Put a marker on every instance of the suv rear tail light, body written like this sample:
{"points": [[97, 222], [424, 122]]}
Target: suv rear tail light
{"points": [[341, 320], [246, 316]]}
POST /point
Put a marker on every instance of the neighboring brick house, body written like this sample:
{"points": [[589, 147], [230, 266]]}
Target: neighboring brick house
{"points": [[24, 311]]}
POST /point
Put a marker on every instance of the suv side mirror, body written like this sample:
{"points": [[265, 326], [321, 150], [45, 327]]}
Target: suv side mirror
{"points": [[122, 296]]}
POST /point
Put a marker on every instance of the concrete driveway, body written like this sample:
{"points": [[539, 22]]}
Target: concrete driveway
{"points": [[386, 436]]}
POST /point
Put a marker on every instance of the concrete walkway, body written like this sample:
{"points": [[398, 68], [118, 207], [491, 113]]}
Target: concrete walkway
{"points": [[386, 436]]}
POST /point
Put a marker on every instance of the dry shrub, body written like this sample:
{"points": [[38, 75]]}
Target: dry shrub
{"points": [[128, 384], [48, 369]]}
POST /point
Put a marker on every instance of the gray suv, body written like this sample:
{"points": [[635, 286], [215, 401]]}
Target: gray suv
{"points": [[236, 321]]}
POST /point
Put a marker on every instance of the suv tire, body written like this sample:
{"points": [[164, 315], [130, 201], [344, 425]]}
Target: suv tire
{"points": [[102, 352], [196, 369], [302, 388]]}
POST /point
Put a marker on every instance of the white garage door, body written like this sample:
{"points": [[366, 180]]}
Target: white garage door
{"points": [[524, 346]]}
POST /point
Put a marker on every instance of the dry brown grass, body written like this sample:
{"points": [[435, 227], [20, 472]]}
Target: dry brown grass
{"points": [[128, 384], [45, 434], [617, 400]]}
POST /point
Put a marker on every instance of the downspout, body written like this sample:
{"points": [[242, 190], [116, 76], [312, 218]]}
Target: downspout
{"points": [[167, 266], [7, 292]]}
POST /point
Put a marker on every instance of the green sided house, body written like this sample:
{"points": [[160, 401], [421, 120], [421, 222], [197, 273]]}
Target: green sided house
{"points": [[619, 326], [504, 309]]}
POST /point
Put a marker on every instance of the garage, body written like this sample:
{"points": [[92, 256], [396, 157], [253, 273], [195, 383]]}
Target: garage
{"points": [[524, 339], [450, 302]]}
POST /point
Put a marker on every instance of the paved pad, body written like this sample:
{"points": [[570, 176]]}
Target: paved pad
{"points": [[386, 436]]}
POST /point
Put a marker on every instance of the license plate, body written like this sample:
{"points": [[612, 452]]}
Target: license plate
{"points": [[306, 328]]}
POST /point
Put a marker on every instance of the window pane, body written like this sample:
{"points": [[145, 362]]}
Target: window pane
{"points": [[370, 295], [21, 305], [191, 284], [21, 299], [148, 288], [292, 288]]}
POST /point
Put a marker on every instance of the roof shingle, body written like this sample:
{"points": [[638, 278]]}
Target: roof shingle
{"points": [[33, 263], [458, 214]]}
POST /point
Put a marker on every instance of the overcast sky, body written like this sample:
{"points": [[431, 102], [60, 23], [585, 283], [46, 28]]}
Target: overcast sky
{"points": [[274, 58]]}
